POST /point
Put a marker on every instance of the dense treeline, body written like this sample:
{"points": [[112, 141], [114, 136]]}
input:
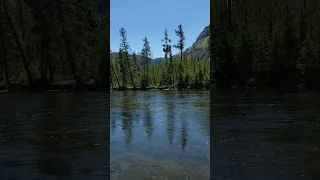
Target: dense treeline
{"points": [[47, 42], [265, 43], [138, 71]]}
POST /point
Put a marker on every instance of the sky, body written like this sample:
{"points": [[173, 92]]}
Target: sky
{"points": [[149, 18]]}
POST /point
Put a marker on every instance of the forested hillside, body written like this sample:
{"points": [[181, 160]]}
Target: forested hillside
{"points": [[138, 70], [265, 43], [49, 42], [200, 48]]}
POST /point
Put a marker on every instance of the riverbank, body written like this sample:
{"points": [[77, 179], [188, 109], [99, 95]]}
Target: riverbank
{"points": [[70, 86], [92, 86], [57, 86], [157, 89], [264, 90]]}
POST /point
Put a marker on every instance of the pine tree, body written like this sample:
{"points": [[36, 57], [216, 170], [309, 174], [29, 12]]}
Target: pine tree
{"points": [[125, 48], [165, 49], [136, 69], [170, 66], [123, 68], [146, 56], [180, 45]]}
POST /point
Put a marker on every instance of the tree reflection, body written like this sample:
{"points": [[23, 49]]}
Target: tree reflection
{"points": [[171, 107], [148, 121], [113, 124], [170, 121], [184, 134], [126, 113]]}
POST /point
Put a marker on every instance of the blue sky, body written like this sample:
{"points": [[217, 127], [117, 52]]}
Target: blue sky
{"points": [[149, 18]]}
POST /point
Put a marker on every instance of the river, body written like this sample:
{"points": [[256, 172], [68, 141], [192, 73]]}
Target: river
{"points": [[259, 136], [160, 135], [54, 136]]}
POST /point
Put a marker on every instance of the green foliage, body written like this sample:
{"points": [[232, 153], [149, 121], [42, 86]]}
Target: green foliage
{"points": [[192, 72], [46, 39], [273, 41]]}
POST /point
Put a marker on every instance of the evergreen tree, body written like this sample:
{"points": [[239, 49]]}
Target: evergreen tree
{"points": [[146, 56], [180, 45], [125, 48], [136, 68], [165, 48], [123, 68]]}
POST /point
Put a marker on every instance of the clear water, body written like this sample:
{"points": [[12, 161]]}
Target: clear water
{"points": [[160, 135]]}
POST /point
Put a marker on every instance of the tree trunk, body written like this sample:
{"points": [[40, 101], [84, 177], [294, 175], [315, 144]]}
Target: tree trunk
{"points": [[104, 69], [4, 57], [19, 43], [115, 74], [43, 58], [246, 13], [147, 78], [229, 14], [67, 43], [131, 76], [51, 72], [172, 73]]}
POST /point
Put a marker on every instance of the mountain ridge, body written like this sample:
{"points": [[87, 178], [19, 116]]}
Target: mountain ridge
{"points": [[199, 49]]}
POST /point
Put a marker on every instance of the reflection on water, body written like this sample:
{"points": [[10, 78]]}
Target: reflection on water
{"points": [[159, 135], [259, 136], [54, 136]]}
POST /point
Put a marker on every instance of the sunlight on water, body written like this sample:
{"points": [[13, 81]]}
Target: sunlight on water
{"points": [[162, 135]]}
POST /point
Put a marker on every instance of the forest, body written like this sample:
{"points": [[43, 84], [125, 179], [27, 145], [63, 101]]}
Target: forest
{"points": [[271, 43], [139, 71], [48, 44]]}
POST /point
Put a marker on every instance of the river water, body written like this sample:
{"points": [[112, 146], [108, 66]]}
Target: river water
{"points": [[54, 136], [257, 136], [160, 135]]}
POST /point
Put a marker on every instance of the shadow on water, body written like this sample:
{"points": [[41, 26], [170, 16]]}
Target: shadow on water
{"points": [[53, 136], [265, 136], [151, 135], [50, 128]]}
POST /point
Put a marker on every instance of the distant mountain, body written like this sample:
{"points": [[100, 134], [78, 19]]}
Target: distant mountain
{"points": [[155, 60], [158, 60], [199, 49]]}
